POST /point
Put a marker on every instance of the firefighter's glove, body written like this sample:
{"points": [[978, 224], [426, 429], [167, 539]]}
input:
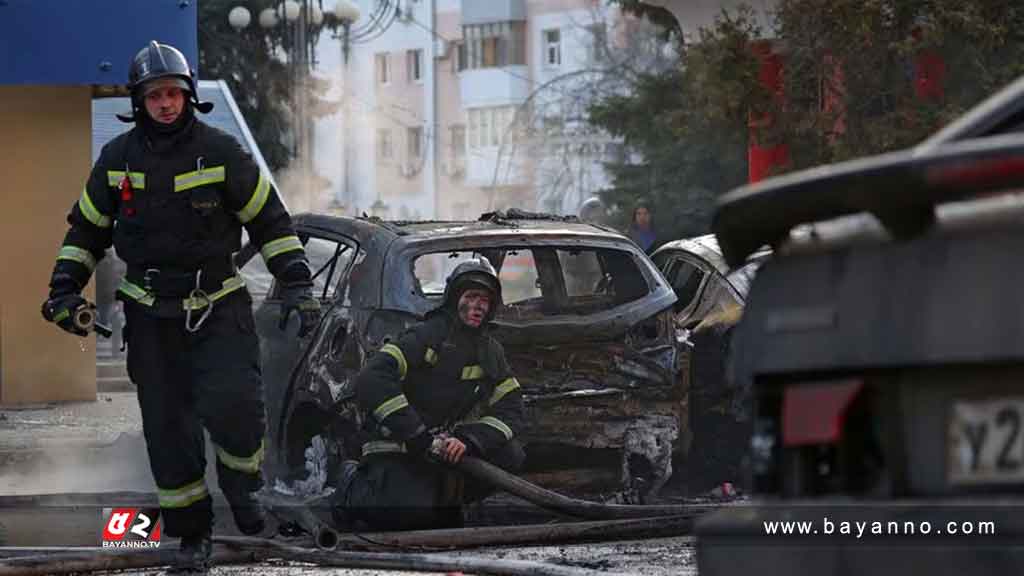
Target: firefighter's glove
{"points": [[421, 444], [298, 298], [60, 309]]}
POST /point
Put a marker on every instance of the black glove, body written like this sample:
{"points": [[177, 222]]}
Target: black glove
{"points": [[419, 445], [298, 298], [60, 309]]}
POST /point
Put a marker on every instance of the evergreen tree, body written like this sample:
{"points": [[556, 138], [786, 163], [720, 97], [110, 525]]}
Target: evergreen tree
{"points": [[253, 63], [852, 87]]}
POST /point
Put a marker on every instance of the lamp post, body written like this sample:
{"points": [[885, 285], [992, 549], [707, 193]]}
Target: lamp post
{"points": [[347, 13], [302, 21]]}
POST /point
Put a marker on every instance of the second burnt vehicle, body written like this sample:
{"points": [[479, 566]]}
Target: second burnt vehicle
{"points": [[586, 323]]}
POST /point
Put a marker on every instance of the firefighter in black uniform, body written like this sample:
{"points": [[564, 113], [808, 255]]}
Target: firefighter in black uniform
{"points": [[172, 195], [443, 390]]}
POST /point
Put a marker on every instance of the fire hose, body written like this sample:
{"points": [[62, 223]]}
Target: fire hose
{"points": [[84, 318], [675, 517]]}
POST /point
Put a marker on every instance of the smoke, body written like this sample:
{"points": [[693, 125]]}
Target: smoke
{"points": [[304, 190]]}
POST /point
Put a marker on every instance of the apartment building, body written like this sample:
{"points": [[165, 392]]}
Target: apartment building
{"points": [[458, 108]]}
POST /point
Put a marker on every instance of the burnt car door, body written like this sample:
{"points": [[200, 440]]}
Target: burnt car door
{"points": [[281, 351], [700, 288]]}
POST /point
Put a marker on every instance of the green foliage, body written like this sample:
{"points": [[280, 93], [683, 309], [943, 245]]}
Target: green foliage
{"points": [[685, 131], [849, 91], [250, 62], [863, 53]]}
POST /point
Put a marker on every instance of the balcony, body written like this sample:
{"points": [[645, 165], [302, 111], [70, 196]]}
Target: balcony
{"points": [[507, 85]]}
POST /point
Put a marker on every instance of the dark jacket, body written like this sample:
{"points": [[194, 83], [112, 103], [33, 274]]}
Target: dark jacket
{"points": [[184, 211], [439, 375]]}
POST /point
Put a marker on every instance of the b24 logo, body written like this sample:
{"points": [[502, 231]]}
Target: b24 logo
{"points": [[131, 527]]}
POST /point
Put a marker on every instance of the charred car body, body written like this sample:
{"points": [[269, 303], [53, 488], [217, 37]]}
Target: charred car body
{"points": [[586, 324], [883, 347], [710, 296]]}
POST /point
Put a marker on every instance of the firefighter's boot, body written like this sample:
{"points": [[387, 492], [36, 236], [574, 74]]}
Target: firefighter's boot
{"points": [[250, 515], [194, 554]]}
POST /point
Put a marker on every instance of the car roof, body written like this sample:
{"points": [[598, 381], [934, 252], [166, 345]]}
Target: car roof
{"points": [[707, 248], [512, 223]]}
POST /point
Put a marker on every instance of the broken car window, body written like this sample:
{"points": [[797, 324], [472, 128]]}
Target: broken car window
{"points": [[544, 281], [328, 260]]}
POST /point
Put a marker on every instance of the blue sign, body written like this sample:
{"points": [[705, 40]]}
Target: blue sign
{"points": [[88, 41]]}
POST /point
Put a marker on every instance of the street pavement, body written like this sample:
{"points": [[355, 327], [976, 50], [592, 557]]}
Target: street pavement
{"points": [[97, 447]]}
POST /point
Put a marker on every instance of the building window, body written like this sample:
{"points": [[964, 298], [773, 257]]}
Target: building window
{"points": [[489, 126], [414, 142], [552, 47], [495, 45], [383, 66], [459, 60], [597, 39], [414, 65], [458, 135], [385, 151], [473, 130]]}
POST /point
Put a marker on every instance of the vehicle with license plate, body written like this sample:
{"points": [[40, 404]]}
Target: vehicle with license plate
{"points": [[883, 348], [586, 323]]}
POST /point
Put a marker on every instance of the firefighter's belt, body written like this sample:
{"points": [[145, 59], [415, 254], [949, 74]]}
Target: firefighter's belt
{"points": [[175, 307], [164, 282]]}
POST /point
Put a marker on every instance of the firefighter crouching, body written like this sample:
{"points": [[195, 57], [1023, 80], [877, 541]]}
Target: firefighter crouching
{"points": [[172, 195], [442, 391]]}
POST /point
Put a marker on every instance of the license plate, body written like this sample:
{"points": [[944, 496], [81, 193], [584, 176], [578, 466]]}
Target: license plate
{"points": [[986, 443]]}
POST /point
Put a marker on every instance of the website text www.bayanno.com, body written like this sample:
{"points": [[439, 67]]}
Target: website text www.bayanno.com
{"points": [[863, 528]]}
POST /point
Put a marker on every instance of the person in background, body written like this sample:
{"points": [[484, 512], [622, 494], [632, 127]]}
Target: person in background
{"points": [[641, 228]]}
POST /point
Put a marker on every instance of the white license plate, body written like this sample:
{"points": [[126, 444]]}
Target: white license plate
{"points": [[986, 441]]}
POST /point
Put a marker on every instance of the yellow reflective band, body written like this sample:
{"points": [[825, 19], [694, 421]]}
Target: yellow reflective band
{"points": [[227, 287], [138, 179], [279, 246], [249, 465], [135, 293], [256, 201], [390, 407], [504, 388], [61, 315], [379, 446], [396, 353], [184, 496], [497, 424], [474, 372], [76, 254], [147, 299], [90, 212], [190, 180], [430, 357]]}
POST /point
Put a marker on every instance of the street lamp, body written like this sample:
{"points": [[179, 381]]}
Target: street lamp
{"points": [[239, 17], [303, 20], [347, 13]]}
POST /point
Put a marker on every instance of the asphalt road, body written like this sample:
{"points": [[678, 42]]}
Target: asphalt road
{"points": [[98, 447]]}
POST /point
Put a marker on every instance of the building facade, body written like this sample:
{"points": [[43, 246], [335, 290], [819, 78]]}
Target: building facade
{"points": [[457, 108]]}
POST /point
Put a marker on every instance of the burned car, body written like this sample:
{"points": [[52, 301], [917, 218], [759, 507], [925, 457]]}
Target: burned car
{"points": [[586, 324], [710, 299]]}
